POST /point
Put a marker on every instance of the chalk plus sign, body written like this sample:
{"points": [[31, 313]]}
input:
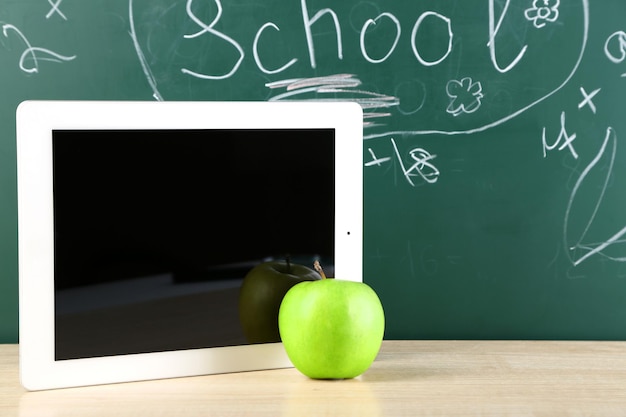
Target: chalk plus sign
{"points": [[587, 99], [55, 9]]}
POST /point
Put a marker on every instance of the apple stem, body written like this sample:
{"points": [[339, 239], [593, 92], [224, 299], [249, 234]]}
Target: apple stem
{"points": [[319, 269], [288, 261]]}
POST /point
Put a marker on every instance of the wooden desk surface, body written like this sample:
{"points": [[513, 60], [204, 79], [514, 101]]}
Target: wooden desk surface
{"points": [[409, 378]]}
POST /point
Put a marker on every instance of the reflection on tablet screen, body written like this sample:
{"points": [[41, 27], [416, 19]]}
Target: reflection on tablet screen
{"points": [[154, 230]]}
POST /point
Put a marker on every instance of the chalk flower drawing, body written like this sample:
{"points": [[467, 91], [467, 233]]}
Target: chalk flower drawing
{"points": [[543, 12], [465, 96]]}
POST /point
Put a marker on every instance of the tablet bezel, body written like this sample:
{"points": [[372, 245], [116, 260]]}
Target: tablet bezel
{"points": [[35, 121]]}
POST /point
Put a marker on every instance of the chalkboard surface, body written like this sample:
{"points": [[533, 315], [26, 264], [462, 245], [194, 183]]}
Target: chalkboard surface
{"points": [[495, 174]]}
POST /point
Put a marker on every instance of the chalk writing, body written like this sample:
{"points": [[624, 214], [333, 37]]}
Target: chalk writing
{"points": [[210, 30], [33, 54], [370, 22], [422, 166], [465, 95], [257, 58], [563, 140], [615, 48], [311, 19], [493, 31], [416, 28], [581, 249], [142, 58], [376, 160], [491, 129], [495, 25], [55, 9], [433, 263]]}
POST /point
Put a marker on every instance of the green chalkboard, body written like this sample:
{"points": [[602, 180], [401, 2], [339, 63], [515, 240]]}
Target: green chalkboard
{"points": [[495, 174]]}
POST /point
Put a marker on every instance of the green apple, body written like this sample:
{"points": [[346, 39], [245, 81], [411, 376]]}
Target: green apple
{"points": [[261, 293], [331, 328]]}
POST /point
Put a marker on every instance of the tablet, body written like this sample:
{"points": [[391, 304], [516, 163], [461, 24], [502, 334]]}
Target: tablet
{"points": [[137, 222]]}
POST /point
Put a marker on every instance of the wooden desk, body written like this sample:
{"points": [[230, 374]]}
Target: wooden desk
{"points": [[409, 378]]}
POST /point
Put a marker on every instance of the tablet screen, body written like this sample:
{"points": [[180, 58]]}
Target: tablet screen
{"points": [[154, 230]]}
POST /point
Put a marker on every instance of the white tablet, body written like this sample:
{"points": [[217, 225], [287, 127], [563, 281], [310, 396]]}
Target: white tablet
{"points": [[139, 220]]}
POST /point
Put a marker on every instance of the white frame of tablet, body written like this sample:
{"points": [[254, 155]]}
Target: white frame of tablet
{"points": [[35, 121]]}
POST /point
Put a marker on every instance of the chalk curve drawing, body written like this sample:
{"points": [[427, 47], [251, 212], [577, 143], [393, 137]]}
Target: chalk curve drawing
{"points": [[580, 246], [33, 54]]}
